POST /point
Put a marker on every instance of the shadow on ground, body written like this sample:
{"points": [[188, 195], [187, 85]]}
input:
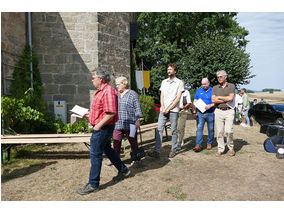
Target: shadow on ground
{"points": [[17, 173]]}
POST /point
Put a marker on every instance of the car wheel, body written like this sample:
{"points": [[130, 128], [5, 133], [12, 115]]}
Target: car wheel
{"points": [[253, 121], [279, 121]]}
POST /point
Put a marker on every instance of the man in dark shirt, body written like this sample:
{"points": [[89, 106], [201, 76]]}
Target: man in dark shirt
{"points": [[222, 96]]}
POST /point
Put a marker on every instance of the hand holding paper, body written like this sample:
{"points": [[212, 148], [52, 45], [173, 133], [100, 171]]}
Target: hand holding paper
{"points": [[200, 105], [80, 111]]}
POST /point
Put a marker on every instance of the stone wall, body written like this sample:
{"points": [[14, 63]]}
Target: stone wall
{"points": [[70, 45], [13, 41], [114, 43], [64, 43]]}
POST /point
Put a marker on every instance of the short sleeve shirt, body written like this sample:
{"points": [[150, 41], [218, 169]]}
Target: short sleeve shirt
{"points": [[170, 89], [218, 90], [185, 95], [105, 101], [205, 96]]}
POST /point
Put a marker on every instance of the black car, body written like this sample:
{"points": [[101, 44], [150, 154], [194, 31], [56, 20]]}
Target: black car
{"points": [[265, 113]]}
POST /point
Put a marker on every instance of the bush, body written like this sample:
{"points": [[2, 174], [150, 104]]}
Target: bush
{"points": [[78, 127], [25, 111], [148, 109], [17, 115]]}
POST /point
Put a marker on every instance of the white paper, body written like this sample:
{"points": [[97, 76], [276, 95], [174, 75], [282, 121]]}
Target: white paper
{"points": [[132, 130], [232, 104], [200, 105], [79, 110]]}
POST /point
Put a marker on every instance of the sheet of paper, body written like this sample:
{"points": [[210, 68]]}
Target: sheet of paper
{"points": [[132, 130], [232, 104], [79, 110], [200, 105]]}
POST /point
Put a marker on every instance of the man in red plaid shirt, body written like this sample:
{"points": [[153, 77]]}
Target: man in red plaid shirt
{"points": [[103, 115]]}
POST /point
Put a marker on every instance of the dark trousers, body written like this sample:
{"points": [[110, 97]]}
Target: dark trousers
{"points": [[117, 138], [101, 143]]}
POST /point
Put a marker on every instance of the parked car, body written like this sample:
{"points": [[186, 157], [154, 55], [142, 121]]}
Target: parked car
{"points": [[264, 113]]}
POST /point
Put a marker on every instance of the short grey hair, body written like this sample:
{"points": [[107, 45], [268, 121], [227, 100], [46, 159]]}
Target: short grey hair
{"points": [[222, 72], [102, 73], [122, 80]]}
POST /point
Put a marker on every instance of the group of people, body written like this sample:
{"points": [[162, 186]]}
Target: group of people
{"points": [[243, 106], [217, 112], [112, 113]]}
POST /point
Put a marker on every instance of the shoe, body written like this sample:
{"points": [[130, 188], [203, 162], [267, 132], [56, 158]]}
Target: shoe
{"points": [[172, 154], [232, 153], [197, 148], [87, 189], [182, 142], [154, 154], [134, 162], [178, 147], [121, 175], [219, 154], [209, 147], [247, 125], [109, 163], [243, 124]]}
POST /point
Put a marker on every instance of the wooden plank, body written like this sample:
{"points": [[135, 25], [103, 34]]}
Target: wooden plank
{"points": [[45, 140], [26, 136], [59, 138]]}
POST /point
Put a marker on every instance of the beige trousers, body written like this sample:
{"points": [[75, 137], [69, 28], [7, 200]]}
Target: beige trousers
{"points": [[224, 121], [181, 124]]}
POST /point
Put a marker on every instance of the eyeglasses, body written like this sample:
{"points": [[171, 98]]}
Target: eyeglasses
{"points": [[221, 76]]}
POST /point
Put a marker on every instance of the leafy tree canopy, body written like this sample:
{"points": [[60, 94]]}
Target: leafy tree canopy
{"points": [[200, 43]]}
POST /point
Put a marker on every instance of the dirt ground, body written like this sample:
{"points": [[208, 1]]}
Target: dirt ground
{"points": [[276, 97], [251, 175]]}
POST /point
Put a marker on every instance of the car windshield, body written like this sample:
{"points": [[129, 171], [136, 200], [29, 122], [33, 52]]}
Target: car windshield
{"points": [[278, 107]]}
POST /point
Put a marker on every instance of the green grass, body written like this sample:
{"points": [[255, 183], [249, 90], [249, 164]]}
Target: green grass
{"points": [[177, 193], [19, 157]]}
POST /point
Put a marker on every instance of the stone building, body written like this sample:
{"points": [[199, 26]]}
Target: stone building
{"points": [[68, 47]]}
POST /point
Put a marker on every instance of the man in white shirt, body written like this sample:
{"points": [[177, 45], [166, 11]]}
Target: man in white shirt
{"points": [[171, 91], [184, 104]]}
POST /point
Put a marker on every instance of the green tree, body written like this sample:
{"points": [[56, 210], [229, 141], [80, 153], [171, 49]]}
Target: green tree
{"points": [[210, 54], [172, 37]]}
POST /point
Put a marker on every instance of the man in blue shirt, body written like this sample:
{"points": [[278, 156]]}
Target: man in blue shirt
{"points": [[205, 94]]}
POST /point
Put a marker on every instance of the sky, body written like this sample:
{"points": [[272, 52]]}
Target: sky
{"points": [[266, 48]]}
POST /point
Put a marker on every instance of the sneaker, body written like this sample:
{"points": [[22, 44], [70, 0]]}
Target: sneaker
{"points": [[172, 154], [121, 175], [247, 125], [219, 154], [178, 147], [197, 148], [182, 142], [209, 147], [232, 153], [134, 162], [243, 124], [154, 154], [109, 163], [87, 189]]}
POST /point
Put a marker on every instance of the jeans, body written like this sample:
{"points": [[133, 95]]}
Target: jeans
{"points": [[200, 120], [173, 116], [247, 117], [101, 143]]}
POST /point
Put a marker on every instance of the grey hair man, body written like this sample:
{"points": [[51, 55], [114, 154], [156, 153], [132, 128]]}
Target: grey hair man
{"points": [[103, 116], [222, 94]]}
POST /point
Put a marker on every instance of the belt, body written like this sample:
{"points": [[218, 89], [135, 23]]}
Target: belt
{"points": [[225, 108]]}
